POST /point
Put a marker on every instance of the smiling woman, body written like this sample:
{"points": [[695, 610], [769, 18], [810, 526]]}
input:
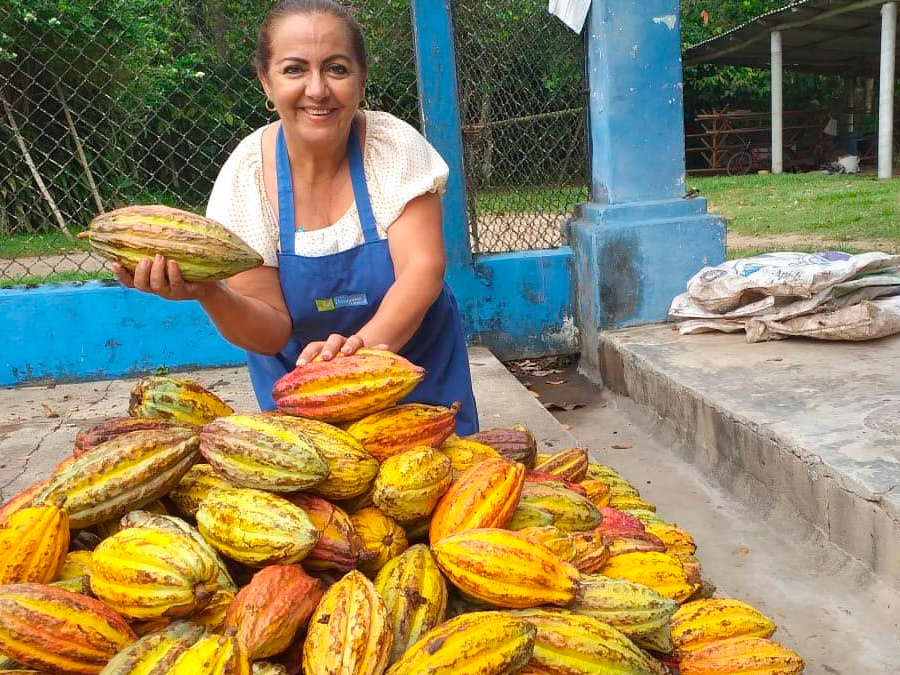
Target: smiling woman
{"points": [[344, 207]]}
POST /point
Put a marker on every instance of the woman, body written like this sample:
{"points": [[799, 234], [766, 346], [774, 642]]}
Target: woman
{"points": [[344, 207]]}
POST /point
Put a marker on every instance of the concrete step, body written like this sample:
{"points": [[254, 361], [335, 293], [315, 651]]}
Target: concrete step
{"points": [[812, 423]]}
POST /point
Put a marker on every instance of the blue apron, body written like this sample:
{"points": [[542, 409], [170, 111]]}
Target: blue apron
{"points": [[340, 293]]}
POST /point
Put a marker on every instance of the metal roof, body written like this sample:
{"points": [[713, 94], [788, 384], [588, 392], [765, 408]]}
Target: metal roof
{"points": [[831, 37]]}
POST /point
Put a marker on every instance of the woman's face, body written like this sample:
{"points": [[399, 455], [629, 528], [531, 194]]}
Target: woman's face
{"points": [[313, 78]]}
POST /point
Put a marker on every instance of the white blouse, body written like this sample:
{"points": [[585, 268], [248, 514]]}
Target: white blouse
{"points": [[400, 165]]}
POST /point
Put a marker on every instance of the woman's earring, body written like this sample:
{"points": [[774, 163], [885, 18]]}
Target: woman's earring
{"points": [[270, 105], [364, 103]]}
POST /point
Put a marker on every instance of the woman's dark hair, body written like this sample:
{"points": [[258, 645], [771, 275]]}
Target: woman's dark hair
{"points": [[263, 52]]}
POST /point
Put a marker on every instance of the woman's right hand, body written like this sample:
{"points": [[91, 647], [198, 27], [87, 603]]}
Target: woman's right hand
{"points": [[163, 278]]}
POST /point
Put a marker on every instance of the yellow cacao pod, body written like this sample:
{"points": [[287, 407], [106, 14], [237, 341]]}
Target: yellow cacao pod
{"points": [[741, 656], [193, 487], [404, 427], [52, 630], [409, 485], [573, 644], [505, 569], [464, 454], [176, 399], [145, 573], [204, 249], [348, 633], [558, 541], [630, 503], [76, 564], [415, 595], [660, 571], [597, 491], [261, 451], [479, 643], [346, 388], [213, 615], [612, 478], [570, 465], [33, 544], [212, 655], [678, 542], [484, 495], [699, 622], [381, 535], [154, 652], [543, 504], [268, 668]]}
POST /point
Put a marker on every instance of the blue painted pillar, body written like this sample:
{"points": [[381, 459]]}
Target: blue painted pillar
{"points": [[637, 241]]}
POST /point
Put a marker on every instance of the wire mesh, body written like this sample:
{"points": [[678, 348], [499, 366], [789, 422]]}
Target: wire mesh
{"points": [[522, 96]]}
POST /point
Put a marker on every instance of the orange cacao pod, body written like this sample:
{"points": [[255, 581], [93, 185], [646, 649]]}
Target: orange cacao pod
{"points": [[33, 544], [591, 551], [570, 465], [381, 535], [597, 491], [404, 427]]}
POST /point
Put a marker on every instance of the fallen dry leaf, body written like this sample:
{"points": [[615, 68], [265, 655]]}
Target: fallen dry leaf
{"points": [[566, 426], [622, 446], [556, 383], [741, 550], [553, 405], [535, 394], [48, 411]]}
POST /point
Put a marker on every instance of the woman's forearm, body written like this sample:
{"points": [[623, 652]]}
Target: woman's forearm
{"points": [[246, 322]]}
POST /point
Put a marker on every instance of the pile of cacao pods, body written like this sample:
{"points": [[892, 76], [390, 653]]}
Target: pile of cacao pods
{"points": [[347, 534]]}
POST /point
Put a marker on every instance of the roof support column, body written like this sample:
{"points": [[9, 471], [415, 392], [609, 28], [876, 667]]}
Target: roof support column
{"points": [[886, 96], [777, 104]]}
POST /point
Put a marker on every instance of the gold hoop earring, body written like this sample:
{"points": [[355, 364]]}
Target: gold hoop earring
{"points": [[270, 105], [364, 104]]}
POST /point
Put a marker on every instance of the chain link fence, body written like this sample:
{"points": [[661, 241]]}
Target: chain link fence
{"points": [[105, 103]]}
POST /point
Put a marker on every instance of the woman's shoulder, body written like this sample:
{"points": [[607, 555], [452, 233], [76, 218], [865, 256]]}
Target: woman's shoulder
{"points": [[248, 147], [390, 132]]}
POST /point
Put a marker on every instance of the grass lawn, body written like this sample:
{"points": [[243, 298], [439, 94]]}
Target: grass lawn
{"points": [[31, 245], [59, 277]]}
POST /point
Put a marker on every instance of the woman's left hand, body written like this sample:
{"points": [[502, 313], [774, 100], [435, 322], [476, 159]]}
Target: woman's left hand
{"points": [[334, 345]]}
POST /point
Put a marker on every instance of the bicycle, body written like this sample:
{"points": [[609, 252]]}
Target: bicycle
{"points": [[743, 161]]}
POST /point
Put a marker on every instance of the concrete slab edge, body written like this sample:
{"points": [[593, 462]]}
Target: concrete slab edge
{"points": [[729, 448]]}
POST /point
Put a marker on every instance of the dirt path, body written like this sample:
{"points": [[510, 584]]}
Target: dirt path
{"points": [[788, 242]]}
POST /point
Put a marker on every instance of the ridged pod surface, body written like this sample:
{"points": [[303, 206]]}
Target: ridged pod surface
{"points": [[339, 547], [678, 541], [347, 388], [81, 585], [544, 504], [516, 444], [642, 543], [557, 540], [573, 644], [351, 469], [75, 564], [177, 399], [479, 643], [111, 527], [741, 656], [505, 569], [646, 516], [33, 544], [606, 474], [541, 478], [699, 622], [630, 503], [212, 655], [381, 535], [268, 668], [484, 495], [571, 464], [415, 595], [146, 573], [122, 474], [634, 609], [204, 249], [660, 571], [53, 630], [115, 426], [213, 615], [597, 491], [268, 612], [616, 522], [193, 487], [348, 633], [153, 654], [409, 485], [25, 497], [404, 427], [591, 551], [263, 452], [256, 528], [180, 527], [464, 453]]}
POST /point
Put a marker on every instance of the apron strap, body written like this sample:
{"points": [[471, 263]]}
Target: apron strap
{"points": [[286, 226]]}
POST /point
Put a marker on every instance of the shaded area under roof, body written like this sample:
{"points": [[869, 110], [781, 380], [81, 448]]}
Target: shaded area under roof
{"points": [[830, 37]]}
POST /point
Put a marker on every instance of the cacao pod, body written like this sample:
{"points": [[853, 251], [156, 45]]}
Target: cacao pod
{"points": [[115, 426], [558, 541], [339, 547], [616, 523], [553, 481], [464, 454], [505, 569], [76, 564], [53, 630], [193, 488], [543, 504], [256, 528], [212, 655], [25, 497], [379, 534], [204, 249], [268, 612], [152, 654], [480, 643], [415, 595], [33, 544], [348, 633], [700, 622], [80, 585], [646, 516], [404, 427], [570, 465], [516, 444], [644, 543], [741, 656], [678, 542], [484, 495], [409, 485], [146, 573], [260, 451], [268, 668], [177, 399], [616, 483], [597, 492], [591, 551], [213, 615], [630, 503], [574, 644], [121, 474], [111, 527], [660, 571], [346, 388]]}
